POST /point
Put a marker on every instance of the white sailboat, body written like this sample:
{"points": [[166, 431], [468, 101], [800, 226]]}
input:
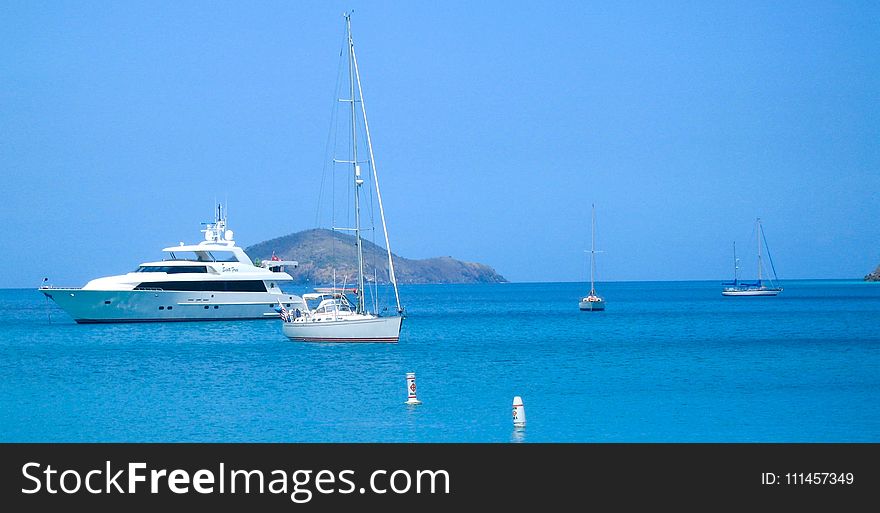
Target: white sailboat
{"points": [[336, 317], [592, 302], [759, 287]]}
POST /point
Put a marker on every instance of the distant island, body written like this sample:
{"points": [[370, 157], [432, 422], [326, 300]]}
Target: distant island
{"points": [[874, 276], [321, 251]]}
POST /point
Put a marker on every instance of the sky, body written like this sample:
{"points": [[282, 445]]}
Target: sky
{"points": [[495, 126]]}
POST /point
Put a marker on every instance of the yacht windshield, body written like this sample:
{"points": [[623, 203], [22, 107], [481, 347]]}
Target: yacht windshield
{"points": [[202, 256], [222, 256]]}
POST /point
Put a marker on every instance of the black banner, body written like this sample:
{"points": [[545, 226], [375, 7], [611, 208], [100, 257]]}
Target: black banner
{"points": [[437, 476]]}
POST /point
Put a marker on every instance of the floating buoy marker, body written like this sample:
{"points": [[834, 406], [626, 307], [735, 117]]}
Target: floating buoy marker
{"points": [[411, 389], [519, 412]]}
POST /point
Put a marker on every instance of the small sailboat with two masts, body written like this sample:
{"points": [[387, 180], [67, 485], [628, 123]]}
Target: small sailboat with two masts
{"points": [[761, 286]]}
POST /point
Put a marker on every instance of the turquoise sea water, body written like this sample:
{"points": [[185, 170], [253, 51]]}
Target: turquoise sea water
{"points": [[666, 362]]}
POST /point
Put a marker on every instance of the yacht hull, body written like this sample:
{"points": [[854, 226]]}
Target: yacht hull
{"points": [[755, 292], [109, 306], [377, 329]]}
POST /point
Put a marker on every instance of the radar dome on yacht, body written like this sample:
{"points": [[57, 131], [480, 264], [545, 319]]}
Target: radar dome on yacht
{"points": [[228, 235]]}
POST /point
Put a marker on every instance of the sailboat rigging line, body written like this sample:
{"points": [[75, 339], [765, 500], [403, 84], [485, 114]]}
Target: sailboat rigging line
{"points": [[372, 291], [375, 290], [767, 248], [735, 265], [331, 134], [391, 275]]}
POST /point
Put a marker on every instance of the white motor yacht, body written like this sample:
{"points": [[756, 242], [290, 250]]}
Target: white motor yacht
{"points": [[211, 280]]}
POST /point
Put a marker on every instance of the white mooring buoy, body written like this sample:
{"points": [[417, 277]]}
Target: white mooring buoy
{"points": [[411, 389], [519, 412]]}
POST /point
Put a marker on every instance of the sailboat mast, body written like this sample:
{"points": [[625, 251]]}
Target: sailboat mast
{"points": [[361, 308], [593, 250], [735, 264], [391, 276], [758, 238]]}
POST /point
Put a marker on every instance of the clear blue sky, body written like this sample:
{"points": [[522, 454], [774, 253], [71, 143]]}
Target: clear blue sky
{"points": [[495, 125]]}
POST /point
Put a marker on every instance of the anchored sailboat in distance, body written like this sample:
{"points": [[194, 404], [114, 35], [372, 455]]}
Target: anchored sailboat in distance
{"points": [[336, 317], [759, 287], [592, 302]]}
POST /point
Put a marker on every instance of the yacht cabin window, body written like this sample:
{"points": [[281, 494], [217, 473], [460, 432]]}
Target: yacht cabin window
{"points": [[202, 256], [172, 269]]}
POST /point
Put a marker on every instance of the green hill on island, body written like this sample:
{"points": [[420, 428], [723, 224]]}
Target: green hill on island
{"points": [[320, 251]]}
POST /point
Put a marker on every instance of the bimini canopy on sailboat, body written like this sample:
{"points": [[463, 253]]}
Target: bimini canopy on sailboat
{"points": [[336, 317]]}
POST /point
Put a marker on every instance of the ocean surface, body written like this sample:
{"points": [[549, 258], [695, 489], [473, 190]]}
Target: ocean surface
{"points": [[666, 362]]}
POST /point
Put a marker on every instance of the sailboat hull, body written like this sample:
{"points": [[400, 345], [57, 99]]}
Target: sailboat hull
{"points": [[374, 329], [592, 306], [751, 292]]}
